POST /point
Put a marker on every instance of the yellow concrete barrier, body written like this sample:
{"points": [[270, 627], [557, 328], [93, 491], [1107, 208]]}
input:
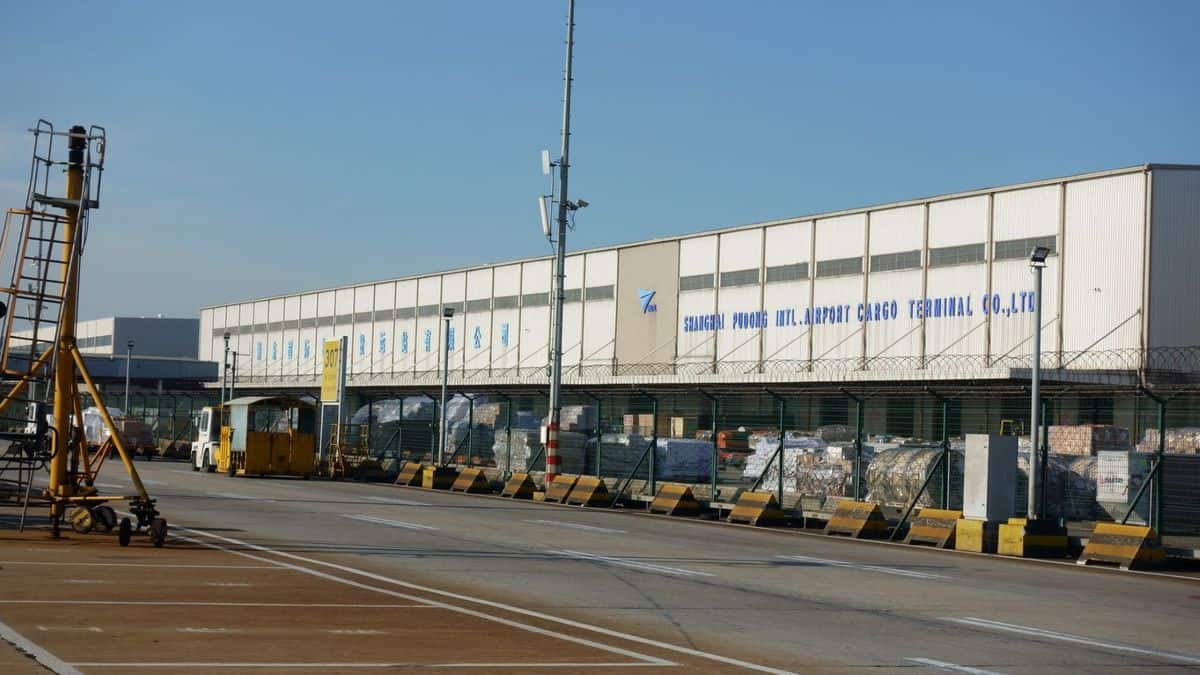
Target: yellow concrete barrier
{"points": [[675, 500], [558, 490], [472, 481], [589, 491], [438, 477], [934, 527], [410, 474], [518, 486], [858, 520], [1128, 546], [1032, 539], [976, 535], [757, 508]]}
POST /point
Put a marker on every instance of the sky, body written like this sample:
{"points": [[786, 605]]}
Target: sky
{"points": [[258, 148]]}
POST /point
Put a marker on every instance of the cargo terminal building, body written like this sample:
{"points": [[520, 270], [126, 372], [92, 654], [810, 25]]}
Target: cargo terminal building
{"points": [[917, 314]]}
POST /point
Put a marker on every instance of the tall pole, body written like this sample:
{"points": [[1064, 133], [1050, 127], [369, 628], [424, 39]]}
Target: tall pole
{"points": [[233, 377], [564, 163], [64, 371], [1032, 507], [447, 314], [225, 370], [128, 360]]}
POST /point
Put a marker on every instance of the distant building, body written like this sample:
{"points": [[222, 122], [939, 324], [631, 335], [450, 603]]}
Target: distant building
{"points": [[153, 336]]}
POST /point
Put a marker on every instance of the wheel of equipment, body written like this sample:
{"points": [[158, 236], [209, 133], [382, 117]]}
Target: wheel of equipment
{"points": [[81, 519], [124, 532], [106, 518], [232, 468], [158, 532], [209, 466], [195, 467]]}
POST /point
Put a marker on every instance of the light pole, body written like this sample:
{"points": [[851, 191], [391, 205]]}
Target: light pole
{"points": [[447, 314], [1037, 262], [553, 460], [128, 359], [233, 376], [225, 369]]}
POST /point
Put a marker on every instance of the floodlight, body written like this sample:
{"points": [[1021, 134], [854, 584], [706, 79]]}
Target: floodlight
{"points": [[581, 203], [1038, 256], [546, 163], [448, 312]]}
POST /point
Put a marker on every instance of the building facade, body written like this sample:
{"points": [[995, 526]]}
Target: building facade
{"points": [[936, 289]]}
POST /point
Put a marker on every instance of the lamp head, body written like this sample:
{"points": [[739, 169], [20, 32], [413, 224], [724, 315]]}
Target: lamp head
{"points": [[448, 312], [1037, 257]]}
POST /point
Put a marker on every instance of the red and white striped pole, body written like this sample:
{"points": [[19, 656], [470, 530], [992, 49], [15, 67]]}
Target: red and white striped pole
{"points": [[553, 460]]}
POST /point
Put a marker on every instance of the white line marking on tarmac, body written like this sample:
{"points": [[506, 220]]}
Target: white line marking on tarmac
{"points": [[389, 523], [170, 603], [234, 495], [627, 637], [355, 631], [632, 564], [182, 471], [42, 656], [824, 562], [398, 502], [154, 565], [577, 526], [84, 581], [228, 584], [1078, 639], [205, 629], [110, 486], [72, 629], [167, 664], [953, 667]]}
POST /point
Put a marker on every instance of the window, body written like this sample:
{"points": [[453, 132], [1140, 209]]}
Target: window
{"points": [[839, 267], [362, 317], [406, 312], [535, 299], [695, 282], [384, 314], [739, 278], [104, 341], [890, 262], [599, 292], [793, 272], [956, 255], [343, 319], [428, 310], [306, 323], [1021, 248], [479, 305], [573, 295], [506, 302], [456, 306]]}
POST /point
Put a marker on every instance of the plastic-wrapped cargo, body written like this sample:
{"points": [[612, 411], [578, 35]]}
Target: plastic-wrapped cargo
{"points": [[1087, 439], [1179, 441], [895, 476], [572, 448], [794, 445], [1071, 482], [677, 459], [580, 418], [835, 433], [418, 408]]}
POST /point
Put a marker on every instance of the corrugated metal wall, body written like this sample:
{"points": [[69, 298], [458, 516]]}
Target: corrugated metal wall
{"points": [[1174, 254]]}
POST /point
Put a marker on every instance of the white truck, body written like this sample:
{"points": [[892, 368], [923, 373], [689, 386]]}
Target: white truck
{"points": [[208, 439]]}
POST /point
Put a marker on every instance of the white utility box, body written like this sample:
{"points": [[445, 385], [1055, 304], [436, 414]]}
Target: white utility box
{"points": [[990, 477]]}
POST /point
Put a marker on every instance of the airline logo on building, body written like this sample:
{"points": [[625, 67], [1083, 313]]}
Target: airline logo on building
{"points": [[646, 299]]}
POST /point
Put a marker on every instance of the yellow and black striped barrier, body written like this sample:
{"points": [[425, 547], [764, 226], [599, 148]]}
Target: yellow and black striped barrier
{"points": [[589, 491], [560, 488], [410, 474], [1032, 539], [675, 500], [858, 520], [472, 481], [1127, 546], [518, 486], [757, 508], [934, 527]]}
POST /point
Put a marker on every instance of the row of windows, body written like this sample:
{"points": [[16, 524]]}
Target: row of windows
{"points": [[1021, 248], [97, 341], [839, 267], [425, 311], [890, 262]]}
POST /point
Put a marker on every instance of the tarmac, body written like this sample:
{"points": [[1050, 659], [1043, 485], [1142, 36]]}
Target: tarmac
{"points": [[277, 575]]}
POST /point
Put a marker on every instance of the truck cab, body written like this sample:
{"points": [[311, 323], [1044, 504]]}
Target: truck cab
{"points": [[208, 439]]}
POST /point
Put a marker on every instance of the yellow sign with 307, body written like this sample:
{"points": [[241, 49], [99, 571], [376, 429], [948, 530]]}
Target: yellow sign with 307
{"points": [[331, 371]]}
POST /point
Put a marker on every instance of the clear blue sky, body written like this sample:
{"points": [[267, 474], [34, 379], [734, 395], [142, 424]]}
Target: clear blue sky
{"points": [[258, 148]]}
